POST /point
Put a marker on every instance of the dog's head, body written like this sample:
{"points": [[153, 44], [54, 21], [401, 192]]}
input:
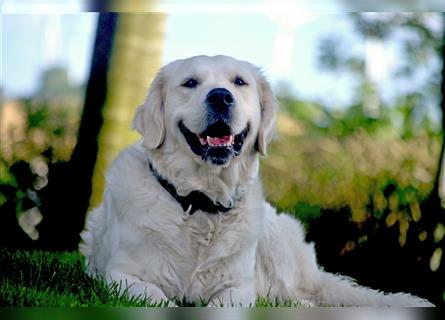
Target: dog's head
{"points": [[216, 108]]}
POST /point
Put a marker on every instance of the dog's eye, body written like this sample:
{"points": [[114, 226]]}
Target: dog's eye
{"points": [[190, 83], [239, 81]]}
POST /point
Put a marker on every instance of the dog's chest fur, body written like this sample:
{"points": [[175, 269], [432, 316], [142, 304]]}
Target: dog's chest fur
{"points": [[213, 244], [205, 256], [197, 256]]}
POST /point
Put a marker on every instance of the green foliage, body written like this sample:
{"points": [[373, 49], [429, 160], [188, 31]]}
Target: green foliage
{"points": [[318, 120], [332, 167], [415, 77], [37, 133]]}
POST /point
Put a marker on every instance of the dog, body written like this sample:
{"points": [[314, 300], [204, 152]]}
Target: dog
{"points": [[183, 214]]}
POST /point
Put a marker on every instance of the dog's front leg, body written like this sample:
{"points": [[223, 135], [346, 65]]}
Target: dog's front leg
{"points": [[240, 296], [137, 288]]}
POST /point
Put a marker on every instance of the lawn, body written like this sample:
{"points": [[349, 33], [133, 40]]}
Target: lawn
{"points": [[57, 279], [39, 278]]}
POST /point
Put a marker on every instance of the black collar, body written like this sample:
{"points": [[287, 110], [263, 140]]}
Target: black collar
{"points": [[195, 200]]}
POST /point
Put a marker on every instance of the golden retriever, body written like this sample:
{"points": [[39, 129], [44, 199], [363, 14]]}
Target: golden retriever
{"points": [[183, 215]]}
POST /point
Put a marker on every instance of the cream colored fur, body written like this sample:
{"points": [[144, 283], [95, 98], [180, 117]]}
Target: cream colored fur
{"points": [[141, 238]]}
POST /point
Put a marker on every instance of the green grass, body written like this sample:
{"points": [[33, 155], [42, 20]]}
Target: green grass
{"points": [[49, 279], [38, 278]]}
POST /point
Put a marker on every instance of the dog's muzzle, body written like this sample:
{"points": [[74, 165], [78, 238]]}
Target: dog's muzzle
{"points": [[217, 143], [220, 104]]}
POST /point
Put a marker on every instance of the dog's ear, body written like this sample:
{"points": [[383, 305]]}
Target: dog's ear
{"points": [[269, 106], [149, 117]]}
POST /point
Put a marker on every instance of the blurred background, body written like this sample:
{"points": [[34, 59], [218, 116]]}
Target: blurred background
{"points": [[359, 146]]}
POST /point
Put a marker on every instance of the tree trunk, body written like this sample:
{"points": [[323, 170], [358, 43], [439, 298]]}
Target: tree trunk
{"points": [[136, 58]]}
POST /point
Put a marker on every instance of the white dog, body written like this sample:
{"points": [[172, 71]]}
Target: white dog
{"points": [[183, 215]]}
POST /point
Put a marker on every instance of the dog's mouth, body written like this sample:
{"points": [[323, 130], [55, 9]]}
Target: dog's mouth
{"points": [[216, 143]]}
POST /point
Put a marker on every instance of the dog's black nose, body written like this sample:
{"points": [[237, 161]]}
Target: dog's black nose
{"points": [[220, 98]]}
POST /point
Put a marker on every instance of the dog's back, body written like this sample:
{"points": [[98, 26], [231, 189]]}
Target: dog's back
{"points": [[286, 269]]}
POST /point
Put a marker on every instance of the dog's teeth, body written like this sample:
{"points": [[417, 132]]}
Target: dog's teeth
{"points": [[202, 140], [225, 141]]}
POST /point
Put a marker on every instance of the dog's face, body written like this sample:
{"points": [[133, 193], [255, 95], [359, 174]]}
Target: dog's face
{"points": [[215, 108]]}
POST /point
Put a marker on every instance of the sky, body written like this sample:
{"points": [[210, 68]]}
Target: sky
{"points": [[282, 40], [32, 42], [286, 51]]}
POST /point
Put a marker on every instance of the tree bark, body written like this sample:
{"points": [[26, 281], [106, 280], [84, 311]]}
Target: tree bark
{"points": [[136, 58]]}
